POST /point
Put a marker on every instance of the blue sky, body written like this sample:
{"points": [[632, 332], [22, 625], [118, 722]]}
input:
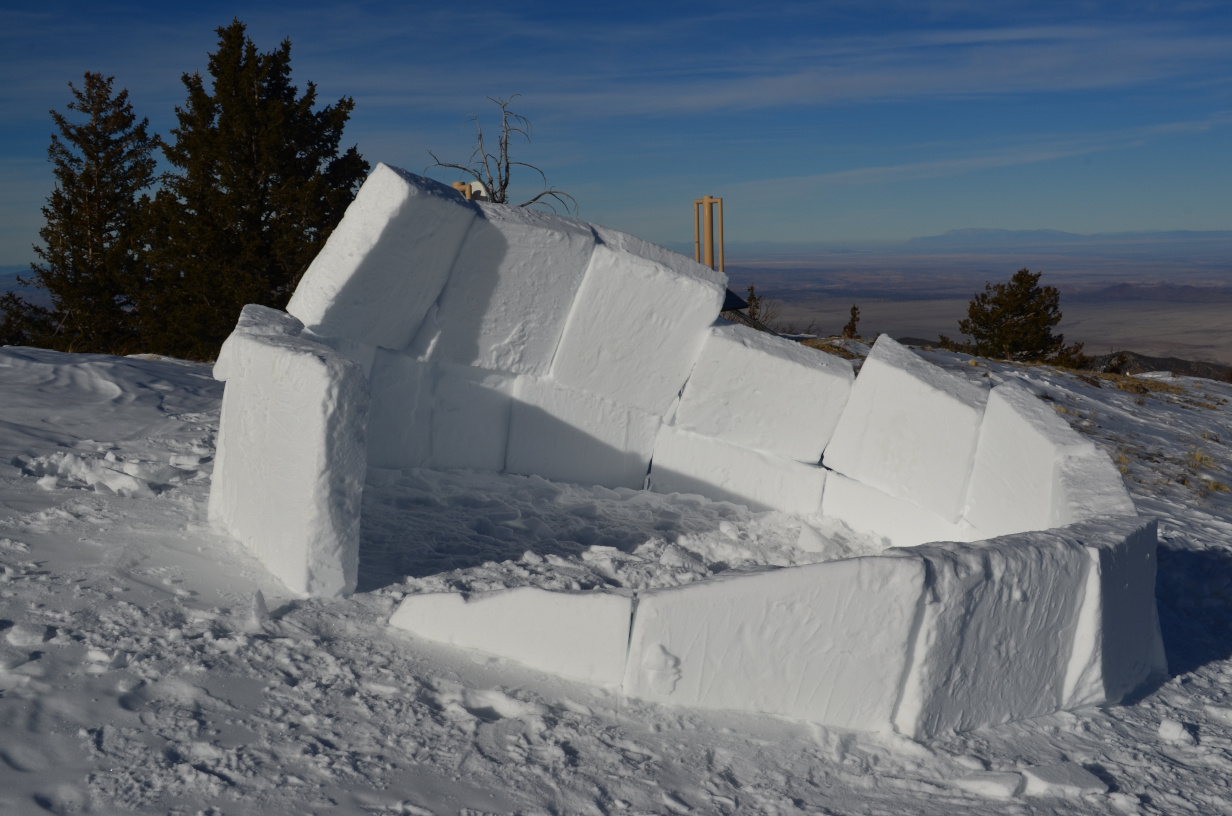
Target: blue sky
{"points": [[817, 122]]}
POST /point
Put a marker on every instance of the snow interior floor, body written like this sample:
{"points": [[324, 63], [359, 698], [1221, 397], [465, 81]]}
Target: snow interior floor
{"points": [[140, 671]]}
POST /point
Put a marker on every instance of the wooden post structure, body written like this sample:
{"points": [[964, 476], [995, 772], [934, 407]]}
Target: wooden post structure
{"points": [[703, 232]]}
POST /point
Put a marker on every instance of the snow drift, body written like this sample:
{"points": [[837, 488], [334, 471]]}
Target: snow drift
{"points": [[436, 332]]}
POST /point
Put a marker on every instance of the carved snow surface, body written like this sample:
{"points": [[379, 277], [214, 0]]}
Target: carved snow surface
{"points": [[1006, 574]]}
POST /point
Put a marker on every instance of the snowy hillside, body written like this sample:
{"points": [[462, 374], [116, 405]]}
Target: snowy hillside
{"points": [[147, 664]]}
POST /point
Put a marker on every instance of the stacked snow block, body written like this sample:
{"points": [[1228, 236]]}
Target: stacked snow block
{"points": [[578, 635], [909, 430], [926, 640], [826, 643], [921, 454], [499, 338], [752, 422], [1032, 471], [291, 459]]}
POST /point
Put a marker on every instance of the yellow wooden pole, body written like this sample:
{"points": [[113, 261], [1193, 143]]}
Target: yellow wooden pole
{"points": [[697, 241], [708, 230], [722, 265]]}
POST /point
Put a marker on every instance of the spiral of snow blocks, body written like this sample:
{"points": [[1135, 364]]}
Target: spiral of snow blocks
{"points": [[510, 292], [759, 391], [1032, 471], [579, 635], [386, 262], [909, 429], [291, 457], [687, 462]]}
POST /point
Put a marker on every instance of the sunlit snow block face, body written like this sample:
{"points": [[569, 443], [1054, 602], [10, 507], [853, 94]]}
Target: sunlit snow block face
{"points": [[400, 418], [1033, 471], [510, 291], [681, 264], [578, 635], [1118, 646], [575, 436], [290, 466], [828, 643], [995, 634], [386, 262], [635, 330], [761, 391], [898, 522], [909, 429], [686, 462]]}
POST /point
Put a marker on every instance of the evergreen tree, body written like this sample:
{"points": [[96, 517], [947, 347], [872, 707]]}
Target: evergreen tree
{"points": [[1014, 321], [258, 185], [91, 255]]}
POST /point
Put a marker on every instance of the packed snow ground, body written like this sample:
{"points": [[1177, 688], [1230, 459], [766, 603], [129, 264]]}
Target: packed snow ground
{"points": [[141, 671]]}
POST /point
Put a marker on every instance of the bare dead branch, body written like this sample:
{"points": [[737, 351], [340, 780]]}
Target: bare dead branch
{"points": [[494, 171]]}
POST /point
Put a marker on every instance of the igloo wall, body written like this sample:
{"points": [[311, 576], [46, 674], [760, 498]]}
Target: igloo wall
{"points": [[435, 332]]}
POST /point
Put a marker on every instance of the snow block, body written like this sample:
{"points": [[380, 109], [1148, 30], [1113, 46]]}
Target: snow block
{"points": [[909, 429], [686, 462], [386, 262], [636, 329], [1089, 486], [400, 417], [470, 417], [897, 521], [681, 264], [574, 436], [760, 391], [290, 463], [510, 292], [996, 632], [827, 643], [1033, 471], [1118, 647], [579, 635]]}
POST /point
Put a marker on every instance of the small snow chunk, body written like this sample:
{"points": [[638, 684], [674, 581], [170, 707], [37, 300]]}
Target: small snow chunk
{"points": [[1061, 779], [48, 482], [27, 635], [991, 784], [1175, 731]]}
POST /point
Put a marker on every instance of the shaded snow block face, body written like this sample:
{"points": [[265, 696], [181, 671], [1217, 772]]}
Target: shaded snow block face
{"points": [[470, 417], [827, 643], [765, 392], [686, 462], [1033, 471], [581, 636], [291, 460], [399, 421], [1118, 647], [996, 632], [897, 521], [636, 329], [910, 430], [386, 262], [510, 292], [573, 436]]}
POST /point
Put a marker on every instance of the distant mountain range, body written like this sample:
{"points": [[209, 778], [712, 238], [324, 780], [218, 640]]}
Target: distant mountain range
{"points": [[994, 240]]}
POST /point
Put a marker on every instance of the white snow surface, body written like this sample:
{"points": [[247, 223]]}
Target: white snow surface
{"points": [[148, 664]]}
